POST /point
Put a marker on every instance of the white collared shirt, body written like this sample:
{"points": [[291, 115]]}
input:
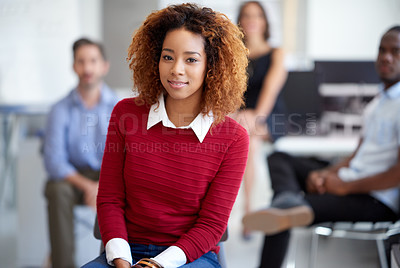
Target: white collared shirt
{"points": [[200, 125], [380, 147], [173, 256]]}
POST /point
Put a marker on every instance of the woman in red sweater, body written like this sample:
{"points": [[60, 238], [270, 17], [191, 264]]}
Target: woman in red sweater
{"points": [[173, 160]]}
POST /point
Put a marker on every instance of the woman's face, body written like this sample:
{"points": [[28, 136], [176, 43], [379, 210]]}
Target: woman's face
{"points": [[252, 20], [183, 65]]}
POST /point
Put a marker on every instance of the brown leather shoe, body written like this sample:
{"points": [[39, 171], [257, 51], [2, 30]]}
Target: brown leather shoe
{"points": [[275, 220]]}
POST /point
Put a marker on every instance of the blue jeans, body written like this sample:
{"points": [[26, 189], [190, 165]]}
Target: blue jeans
{"points": [[139, 251]]}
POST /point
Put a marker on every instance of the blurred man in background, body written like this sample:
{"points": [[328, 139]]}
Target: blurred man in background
{"points": [[363, 187], [73, 147]]}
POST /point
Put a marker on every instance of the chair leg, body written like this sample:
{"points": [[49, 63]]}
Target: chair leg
{"points": [[221, 255], [291, 256], [314, 249], [382, 253]]}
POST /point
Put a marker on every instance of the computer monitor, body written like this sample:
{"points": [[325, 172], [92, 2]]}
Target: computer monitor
{"points": [[303, 102], [346, 72]]}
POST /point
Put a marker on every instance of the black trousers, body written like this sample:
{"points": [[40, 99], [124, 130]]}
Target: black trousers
{"points": [[289, 173]]}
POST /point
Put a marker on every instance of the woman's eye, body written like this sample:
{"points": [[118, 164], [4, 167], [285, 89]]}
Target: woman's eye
{"points": [[191, 60], [166, 57]]}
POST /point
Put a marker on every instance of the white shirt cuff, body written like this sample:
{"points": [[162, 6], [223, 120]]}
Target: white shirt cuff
{"points": [[118, 248], [172, 257]]}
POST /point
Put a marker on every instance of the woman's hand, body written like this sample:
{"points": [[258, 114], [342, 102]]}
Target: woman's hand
{"points": [[120, 263], [252, 122], [147, 263]]}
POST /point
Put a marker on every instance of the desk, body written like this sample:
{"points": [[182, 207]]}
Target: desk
{"points": [[319, 146], [10, 116]]}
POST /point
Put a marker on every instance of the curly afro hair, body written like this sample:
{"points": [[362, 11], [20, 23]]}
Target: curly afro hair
{"points": [[227, 56]]}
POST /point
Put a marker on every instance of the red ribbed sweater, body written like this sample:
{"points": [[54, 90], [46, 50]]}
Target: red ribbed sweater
{"points": [[163, 187]]}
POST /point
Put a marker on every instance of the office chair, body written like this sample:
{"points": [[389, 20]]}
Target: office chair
{"points": [[395, 256], [385, 234]]}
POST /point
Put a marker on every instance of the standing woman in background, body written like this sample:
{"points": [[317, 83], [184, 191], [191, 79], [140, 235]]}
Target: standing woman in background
{"points": [[267, 75]]}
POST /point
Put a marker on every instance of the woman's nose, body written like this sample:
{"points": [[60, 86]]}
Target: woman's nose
{"points": [[178, 68]]}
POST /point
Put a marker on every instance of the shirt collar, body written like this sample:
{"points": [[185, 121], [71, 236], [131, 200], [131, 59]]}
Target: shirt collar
{"points": [[392, 92], [200, 125]]}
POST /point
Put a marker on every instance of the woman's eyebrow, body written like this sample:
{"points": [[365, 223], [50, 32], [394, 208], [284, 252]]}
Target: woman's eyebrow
{"points": [[192, 52], [168, 49], [186, 52]]}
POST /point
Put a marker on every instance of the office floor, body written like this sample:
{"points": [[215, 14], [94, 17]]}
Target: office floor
{"points": [[23, 233]]}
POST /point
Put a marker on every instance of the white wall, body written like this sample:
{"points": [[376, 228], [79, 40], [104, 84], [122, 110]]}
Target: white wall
{"points": [[348, 29], [230, 8], [35, 47]]}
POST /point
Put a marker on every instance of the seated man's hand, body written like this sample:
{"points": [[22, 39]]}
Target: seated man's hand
{"points": [[334, 185], [90, 193], [87, 186], [315, 181]]}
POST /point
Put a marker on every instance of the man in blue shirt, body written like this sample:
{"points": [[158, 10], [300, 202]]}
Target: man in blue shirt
{"points": [[73, 147], [364, 187]]}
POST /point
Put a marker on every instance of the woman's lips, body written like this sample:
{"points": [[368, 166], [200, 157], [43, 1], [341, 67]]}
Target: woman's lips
{"points": [[177, 84]]}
